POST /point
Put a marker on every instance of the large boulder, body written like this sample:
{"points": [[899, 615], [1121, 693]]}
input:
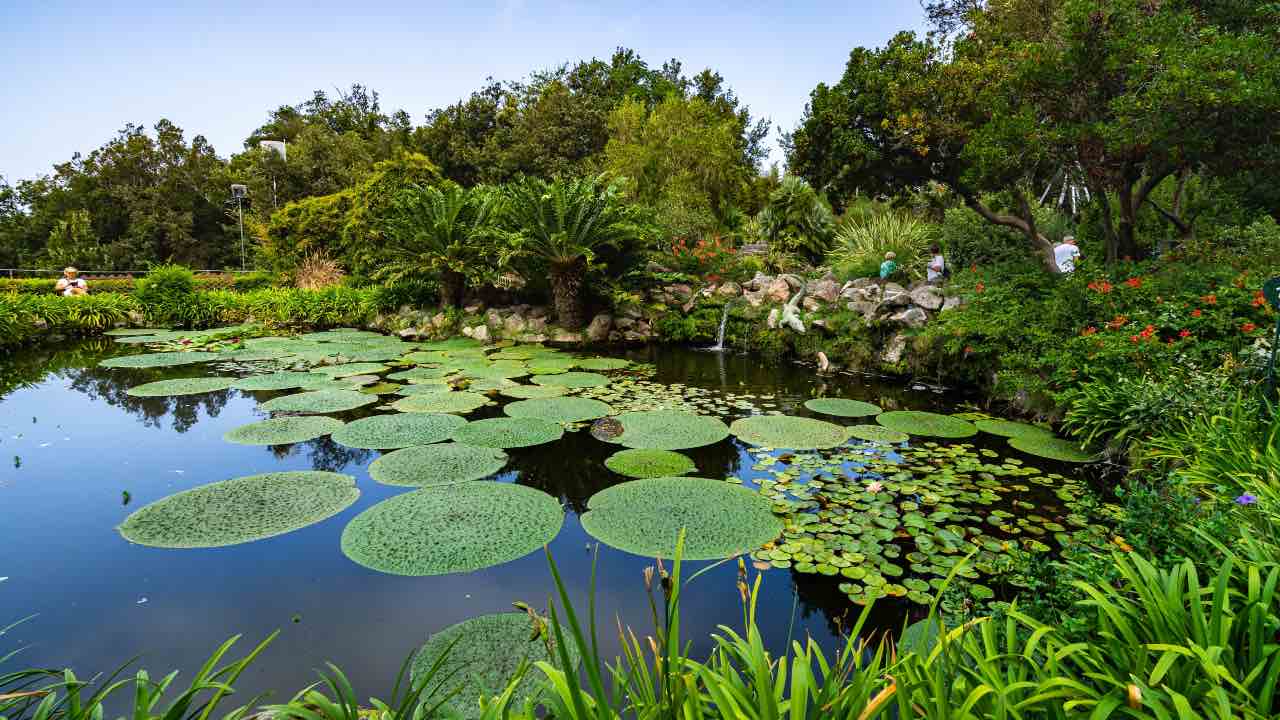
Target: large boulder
{"points": [[862, 293], [754, 298], [480, 333], [729, 289], [911, 317], [759, 281], [514, 325], [811, 304], [893, 350], [793, 282], [825, 290], [778, 290], [679, 291], [598, 330], [952, 303], [894, 295], [535, 324], [865, 308], [928, 297]]}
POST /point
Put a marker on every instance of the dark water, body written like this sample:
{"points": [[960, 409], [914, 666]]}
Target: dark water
{"points": [[72, 443]]}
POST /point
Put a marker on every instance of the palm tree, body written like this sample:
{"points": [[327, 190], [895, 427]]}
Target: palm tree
{"points": [[445, 230], [562, 223]]}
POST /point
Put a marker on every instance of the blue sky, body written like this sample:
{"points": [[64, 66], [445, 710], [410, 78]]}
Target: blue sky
{"points": [[77, 72]]}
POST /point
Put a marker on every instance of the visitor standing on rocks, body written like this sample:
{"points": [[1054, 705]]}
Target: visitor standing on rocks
{"points": [[889, 266], [71, 284], [937, 265], [1065, 254]]}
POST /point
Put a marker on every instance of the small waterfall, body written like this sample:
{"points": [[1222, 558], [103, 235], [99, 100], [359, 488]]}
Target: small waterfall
{"points": [[724, 320]]}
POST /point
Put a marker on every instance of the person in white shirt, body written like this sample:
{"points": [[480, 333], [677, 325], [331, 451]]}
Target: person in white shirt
{"points": [[937, 265], [1065, 254], [70, 284]]}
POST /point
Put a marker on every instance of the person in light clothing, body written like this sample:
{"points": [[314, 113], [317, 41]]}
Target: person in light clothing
{"points": [[71, 284], [937, 265], [1065, 254]]}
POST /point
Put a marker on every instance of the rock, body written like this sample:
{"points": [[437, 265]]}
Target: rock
{"points": [[824, 290], [466, 331], [538, 311], [729, 289], [633, 336], [759, 281], [952, 303], [862, 293], [408, 333], [679, 291], [865, 308], [778, 290], [137, 318], [633, 312], [754, 299], [772, 320], [513, 325], [440, 321], [624, 323], [598, 330], [531, 338], [561, 335], [654, 267], [481, 333], [823, 363], [493, 319], [892, 353], [811, 304], [474, 308], [927, 297], [792, 281], [911, 317], [535, 324], [895, 296], [820, 324]]}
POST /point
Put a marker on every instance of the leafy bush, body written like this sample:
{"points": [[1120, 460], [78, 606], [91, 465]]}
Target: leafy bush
{"points": [[862, 243], [970, 240], [165, 293], [252, 281], [27, 318], [798, 220]]}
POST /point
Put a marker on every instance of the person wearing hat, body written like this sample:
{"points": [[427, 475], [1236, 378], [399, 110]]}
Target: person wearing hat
{"points": [[71, 284]]}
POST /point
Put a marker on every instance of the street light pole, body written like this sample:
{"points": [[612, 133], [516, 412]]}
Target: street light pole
{"points": [[239, 192]]}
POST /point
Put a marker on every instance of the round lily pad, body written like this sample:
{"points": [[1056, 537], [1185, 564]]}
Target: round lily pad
{"points": [[508, 432], [349, 369], [533, 392], [1053, 448], [484, 654], [559, 409], [181, 386], [319, 402], [645, 517], [669, 430], [424, 389], [441, 464], [282, 430], [1011, 429], [572, 379], [603, 363], [876, 433], [452, 528], [783, 431], [916, 422], [161, 359], [842, 407], [275, 381], [241, 510], [126, 332], [646, 463], [445, 402], [383, 432]]}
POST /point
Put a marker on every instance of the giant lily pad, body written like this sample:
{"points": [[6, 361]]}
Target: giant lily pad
{"points": [[644, 463], [452, 528], [842, 407], [319, 402], [533, 392], [508, 432], [783, 431], [1053, 448], [126, 332], [349, 369], [445, 402], [181, 386], [916, 422], [559, 409], [645, 517], [383, 432], [669, 430], [156, 360], [275, 381], [876, 433], [572, 379], [282, 430], [442, 464], [603, 363], [1011, 429], [484, 654], [241, 510]]}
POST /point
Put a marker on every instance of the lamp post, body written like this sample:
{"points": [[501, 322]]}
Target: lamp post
{"points": [[238, 193]]}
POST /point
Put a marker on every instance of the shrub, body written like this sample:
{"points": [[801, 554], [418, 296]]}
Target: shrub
{"points": [[970, 240], [165, 292], [252, 281], [861, 243], [318, 271]]}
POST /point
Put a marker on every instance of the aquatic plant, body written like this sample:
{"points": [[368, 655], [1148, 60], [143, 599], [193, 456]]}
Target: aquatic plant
{"points": [[842, 407], [319, 402], [384, 432], [424, 389], [784, 431], [348, 369], [241, 510], [181, 386], [916, 422], [480, 656], [157, 360], [669, 430], [445, 402], [438, 464], [603, 363], [275, 381], [533, 392], [283, 430], [1011, 429], [1047, 446], [572, 379], [452, 528], [647, 463], [558, 409], [877, 433], [645, 517], [508, 432]]}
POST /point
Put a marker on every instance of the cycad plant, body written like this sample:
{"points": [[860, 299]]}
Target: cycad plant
{"points": [[445, 231], [562, 224], [863, 241], [798, 219]]}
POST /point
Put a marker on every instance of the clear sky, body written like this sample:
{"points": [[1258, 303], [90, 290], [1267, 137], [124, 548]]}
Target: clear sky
{"points": [[75, 73]]}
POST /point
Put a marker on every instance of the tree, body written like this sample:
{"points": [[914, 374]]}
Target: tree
{"points": [[798, 220], [562, 224], [72, 242], [445, 230]]}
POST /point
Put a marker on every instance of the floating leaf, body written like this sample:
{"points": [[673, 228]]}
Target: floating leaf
{"points": [[783, 431], [603, 363], [876, 433], [645, 517], [559, 409], [448, 402], [282, 430], [442, 464], [669, 430], [319, 402], [452, 528], [508, 432], [356, 368], [155, 360], [917, 422], [241, 510], [1011, 429], [275, 381], [383, 432], [647, 463], [842, 407], [181, 386], [1052, 448], [533, 392], [573, 380]]}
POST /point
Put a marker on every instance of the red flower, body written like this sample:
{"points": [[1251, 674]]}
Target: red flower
{"points": [[1259, 299], [1210, 299], [1248, 327], [1118, 322], [1089, 331], [968, 349], [1134, 282], [979, 287], [1184, 334], [1102, 287], [1196, 313], [1134, 338]]}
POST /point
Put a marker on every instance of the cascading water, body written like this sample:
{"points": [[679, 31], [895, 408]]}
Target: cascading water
{"points": [[724, 320]]}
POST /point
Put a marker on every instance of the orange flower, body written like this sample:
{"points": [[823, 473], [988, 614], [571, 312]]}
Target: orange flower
{"points": [[1120, 543], [1184, 334], [1209, 299], [1089, 331], [1134, 282], [979, 287], [1196, 313], [1248, 327]]}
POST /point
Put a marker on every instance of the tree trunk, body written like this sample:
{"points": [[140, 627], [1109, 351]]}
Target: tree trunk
{"points": [[1125, 245], [566, 290], [451, 285], [1026, 224]]}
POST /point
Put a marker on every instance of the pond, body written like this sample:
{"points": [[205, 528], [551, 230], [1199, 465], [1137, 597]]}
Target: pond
{"points": [[862, 518]]}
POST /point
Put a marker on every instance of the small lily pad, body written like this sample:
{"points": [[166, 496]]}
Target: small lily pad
{"points": [[877, 433], [647, 463]]}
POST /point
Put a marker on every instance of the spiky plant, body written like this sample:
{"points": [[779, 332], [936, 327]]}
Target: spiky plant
{"points": [[443, 230], [562, 223]]}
